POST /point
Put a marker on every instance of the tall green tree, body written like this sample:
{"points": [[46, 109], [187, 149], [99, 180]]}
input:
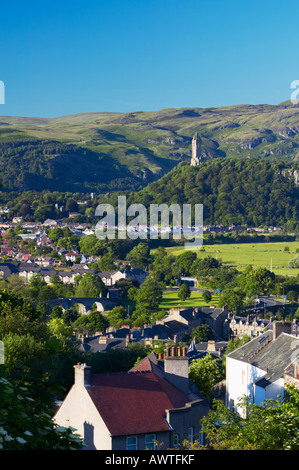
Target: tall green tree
{"points": [[205, 373], [90, 285], [116, 316], [150, 293], [207, 296], [139, 256], [202, 333], [233, 297], [23, 427], [184, 292], [256, 281], [273, 425]]}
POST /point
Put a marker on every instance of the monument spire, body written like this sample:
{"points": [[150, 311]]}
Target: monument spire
{"points": [[196, 150]]}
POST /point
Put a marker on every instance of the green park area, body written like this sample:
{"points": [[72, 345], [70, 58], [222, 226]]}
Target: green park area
{"points": [[171, 299], [277, 255]]}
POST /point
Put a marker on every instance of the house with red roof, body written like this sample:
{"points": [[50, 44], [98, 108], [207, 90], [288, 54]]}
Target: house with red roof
{"points": [[147, 406]]}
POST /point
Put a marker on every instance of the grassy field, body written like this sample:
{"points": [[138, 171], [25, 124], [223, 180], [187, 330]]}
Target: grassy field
{"points": [[170, 300], [240, 256], [255, 254]]}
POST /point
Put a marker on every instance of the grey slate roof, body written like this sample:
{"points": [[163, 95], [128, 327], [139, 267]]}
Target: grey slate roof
{"points": [[210, 312], [8, 269], [271, 356], [93, 345]]}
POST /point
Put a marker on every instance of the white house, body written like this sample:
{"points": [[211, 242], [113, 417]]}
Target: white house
{"points": [[71, 256], [257, 369], [107, 277]]}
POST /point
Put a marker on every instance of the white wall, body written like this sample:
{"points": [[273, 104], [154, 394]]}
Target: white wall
{"points": [[79, 412], [239, 381], [117, 276], [271, 391]]}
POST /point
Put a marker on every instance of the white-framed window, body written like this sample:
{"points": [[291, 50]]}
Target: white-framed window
{"points": [[132, 443], [190, 434], [150, 441]]}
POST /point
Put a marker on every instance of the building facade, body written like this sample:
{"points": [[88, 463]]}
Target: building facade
{"points": [[147, 406]]}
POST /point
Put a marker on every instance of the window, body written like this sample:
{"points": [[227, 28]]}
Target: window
{"points": [[150, 443], [176, 440], [201, 437], [132, 443], [190, 434]]}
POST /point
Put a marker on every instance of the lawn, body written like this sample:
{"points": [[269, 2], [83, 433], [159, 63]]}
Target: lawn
{"points": [[170, 300], [256, 254]]}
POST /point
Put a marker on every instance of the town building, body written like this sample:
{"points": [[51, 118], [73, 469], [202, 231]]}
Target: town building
{"points": [[182, 321], [251, 325], [260, 368], [148, 406]]}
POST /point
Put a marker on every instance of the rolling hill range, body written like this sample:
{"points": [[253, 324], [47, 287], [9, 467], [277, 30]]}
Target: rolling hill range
{"points": [[102, 152]]}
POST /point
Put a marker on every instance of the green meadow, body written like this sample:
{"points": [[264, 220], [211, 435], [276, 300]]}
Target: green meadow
{"points": [[239, 256], [170, 300], [256, 254]]}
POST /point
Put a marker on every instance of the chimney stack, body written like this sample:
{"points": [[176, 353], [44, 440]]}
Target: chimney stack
{"points": [[281, 327], [176, 368], [82, 375], [211, 345]]}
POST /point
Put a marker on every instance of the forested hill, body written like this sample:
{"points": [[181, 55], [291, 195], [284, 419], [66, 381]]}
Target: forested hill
{"points": [[99, 152], [254, 192], [42, 165]]}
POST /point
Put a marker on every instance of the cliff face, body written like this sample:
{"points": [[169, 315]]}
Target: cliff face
{"points": [[293, 174]]}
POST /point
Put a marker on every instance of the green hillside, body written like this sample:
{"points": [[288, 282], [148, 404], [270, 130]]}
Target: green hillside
{"points": [[252, 192], [109, 151]]}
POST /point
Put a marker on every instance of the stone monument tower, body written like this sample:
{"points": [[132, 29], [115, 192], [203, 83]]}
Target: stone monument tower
{"points": [[196, 150]]}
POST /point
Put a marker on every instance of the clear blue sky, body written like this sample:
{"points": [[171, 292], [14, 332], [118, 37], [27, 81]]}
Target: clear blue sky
{"points": [[66, 57]]}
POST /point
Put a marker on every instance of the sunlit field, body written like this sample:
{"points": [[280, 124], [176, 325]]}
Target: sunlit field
{"points": [[256, 254]]}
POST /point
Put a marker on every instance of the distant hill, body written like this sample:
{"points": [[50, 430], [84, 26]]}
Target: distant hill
{"points": [[102, 152]]}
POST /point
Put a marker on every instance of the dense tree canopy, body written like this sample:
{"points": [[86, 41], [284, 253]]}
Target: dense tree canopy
{"points": [[273, 425], [232, 191]]}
